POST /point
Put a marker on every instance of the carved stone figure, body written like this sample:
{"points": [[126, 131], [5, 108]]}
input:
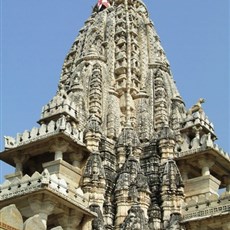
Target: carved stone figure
{"points": [[135, 220], [197, 107]]}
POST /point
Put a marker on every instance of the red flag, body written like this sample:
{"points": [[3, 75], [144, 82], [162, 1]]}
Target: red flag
{"points": [[101, 3]]}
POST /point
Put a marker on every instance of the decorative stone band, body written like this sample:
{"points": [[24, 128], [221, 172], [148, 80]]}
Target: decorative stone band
{"points": [[213, 210], [44, 131], [196, 142], [54, 108], [198, 118], [38, 182], [214, 147], [6, 226]]}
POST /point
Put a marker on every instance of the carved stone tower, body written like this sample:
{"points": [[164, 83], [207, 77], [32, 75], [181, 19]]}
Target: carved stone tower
{"points": [[116, 148]]}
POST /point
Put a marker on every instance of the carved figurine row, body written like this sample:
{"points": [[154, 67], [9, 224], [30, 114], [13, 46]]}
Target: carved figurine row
{"points": [[205, 141], [61, 125], [27, 184], [207, 206]]}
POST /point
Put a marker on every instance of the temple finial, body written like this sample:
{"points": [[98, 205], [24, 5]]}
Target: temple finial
{"points": [[102, 4]]}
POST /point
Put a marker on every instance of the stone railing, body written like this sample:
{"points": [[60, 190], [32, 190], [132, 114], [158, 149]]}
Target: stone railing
{"points": [[64, 106], [42, 132], [27, 184], [198, 118], [203, 207], [197, 145]]}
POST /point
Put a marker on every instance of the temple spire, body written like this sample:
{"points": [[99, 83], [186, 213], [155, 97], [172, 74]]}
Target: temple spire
{"points": [[116, 147]]}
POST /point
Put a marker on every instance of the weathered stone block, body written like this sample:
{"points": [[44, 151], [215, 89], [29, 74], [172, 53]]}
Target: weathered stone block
{"points": [[11, 217], [34, 221], [63, 170], [201, 185]]}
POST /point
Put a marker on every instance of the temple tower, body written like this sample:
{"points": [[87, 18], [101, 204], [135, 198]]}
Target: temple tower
{"points": [[116, 147]]}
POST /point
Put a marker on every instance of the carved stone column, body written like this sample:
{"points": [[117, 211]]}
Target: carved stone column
{"points": [[18, 163], [43, 206], [59, 147], [76, 159], [206, 164], [71, 220], [227, 182], [184, 170], [19, 160]]}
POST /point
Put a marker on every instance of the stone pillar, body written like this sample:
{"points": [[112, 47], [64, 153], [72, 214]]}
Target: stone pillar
{"points": [[18, 163], [76, 159], [18, 160], [206, 164], [227, 182], [70, 221], [59, 147], [42, 206], [184, 169], [58, 155]]}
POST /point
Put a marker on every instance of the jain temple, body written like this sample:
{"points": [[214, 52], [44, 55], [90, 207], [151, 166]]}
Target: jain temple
{"points": [[116, 148]]}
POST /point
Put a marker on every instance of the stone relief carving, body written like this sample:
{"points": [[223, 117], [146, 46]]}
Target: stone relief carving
{"points": [[117, 99], [197, 107], [135, 220]]}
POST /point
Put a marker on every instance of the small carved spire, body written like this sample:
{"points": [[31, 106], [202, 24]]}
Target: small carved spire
{"points": [[94, 174]]}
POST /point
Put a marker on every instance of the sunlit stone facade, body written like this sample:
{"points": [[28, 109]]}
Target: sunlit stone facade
{"points": [[116, 147]]}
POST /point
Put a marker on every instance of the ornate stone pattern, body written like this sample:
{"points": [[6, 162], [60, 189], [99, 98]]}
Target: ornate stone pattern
{"points": [[120, 141], [27, 185], [135, 219], [161, 101], [44, 131]]}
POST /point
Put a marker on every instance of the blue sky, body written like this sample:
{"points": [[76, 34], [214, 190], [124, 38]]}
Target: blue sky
{"points": [[36, 36]]}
